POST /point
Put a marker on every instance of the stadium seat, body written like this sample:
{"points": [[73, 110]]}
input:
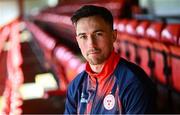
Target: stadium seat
{"points": [[4, 33], [131, 40], [46, 42], [171, 34], [119, 25], [159, 51], [119, 45], [143, 50], [141, 28], [175, 68], [67, 65]]}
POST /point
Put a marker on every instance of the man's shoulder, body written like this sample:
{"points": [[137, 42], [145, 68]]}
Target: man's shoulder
{"points": [[129, 73], [130, 68], [135, 87]]}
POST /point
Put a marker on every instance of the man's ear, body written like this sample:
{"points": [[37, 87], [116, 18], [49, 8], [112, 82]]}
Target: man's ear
{"points": [[114, 35]]}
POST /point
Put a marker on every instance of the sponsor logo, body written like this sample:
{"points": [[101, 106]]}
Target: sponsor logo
{"points": [[83, 99]]}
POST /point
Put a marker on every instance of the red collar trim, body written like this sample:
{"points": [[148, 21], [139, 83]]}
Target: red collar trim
{"points": [[108, 68]]}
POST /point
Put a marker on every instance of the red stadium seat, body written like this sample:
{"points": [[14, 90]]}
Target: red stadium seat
{"points": [[159, 51], [3, 71], [154, 31], [141, 28], [143, 50], [46, 42], [175, 60], [122, 25], [67, 65], [162, 62], [127, 38], [119, 46], [131, 40], [4, 33], [171, 34]]}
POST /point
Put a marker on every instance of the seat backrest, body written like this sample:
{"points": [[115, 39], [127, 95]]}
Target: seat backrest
{"points": [[131, 27], [171, 33], [153, 32], [65, 57], [141, 28], [175, 59], [122, 25], [4, 33], [45, 41]]}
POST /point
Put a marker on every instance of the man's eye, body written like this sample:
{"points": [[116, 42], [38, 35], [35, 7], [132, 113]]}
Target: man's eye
{"points": [[82, 37], [99, 34]]}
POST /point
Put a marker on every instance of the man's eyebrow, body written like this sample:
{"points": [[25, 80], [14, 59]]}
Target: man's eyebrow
{"points": [[100, 30], [80, 34]]}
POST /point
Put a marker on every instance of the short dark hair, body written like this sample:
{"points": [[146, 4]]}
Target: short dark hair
{"points": [[92, 10]]}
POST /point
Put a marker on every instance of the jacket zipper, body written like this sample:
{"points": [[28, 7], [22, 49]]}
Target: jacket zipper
{"points": [[94, 96]]}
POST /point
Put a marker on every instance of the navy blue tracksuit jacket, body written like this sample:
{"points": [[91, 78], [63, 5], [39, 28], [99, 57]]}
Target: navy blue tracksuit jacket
{"points": [[127, 90]]}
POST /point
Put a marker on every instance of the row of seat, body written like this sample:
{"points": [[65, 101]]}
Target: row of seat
{"points": [[66, 64], [4, 33], [4, 37], [12, 74], [115, 6], [154, 46]]}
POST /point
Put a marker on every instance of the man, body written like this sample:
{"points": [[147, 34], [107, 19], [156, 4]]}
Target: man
{"points": [[109, 84]]}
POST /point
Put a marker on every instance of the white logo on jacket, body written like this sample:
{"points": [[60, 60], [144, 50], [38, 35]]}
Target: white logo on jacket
{"points": [[83, 100], [109, 102]]}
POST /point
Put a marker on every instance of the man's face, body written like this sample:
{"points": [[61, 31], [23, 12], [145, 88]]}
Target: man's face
{"points": [[95, 39]]}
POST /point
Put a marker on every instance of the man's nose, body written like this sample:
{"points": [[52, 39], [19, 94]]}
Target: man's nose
{"points": [[91, 41]]}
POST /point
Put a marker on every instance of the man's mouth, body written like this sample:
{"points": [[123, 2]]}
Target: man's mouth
{"points": [[93, 51]]}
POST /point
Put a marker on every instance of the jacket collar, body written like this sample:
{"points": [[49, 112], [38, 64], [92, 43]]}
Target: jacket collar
{"points": [[108, 68]]}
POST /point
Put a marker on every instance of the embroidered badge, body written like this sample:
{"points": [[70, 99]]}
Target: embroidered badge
{"points": [[109, 102]]}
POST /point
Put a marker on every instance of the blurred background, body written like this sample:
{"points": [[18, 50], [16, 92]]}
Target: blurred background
{"points": [[39, 56]]}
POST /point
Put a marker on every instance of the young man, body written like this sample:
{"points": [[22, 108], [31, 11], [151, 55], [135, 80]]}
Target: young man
{"points": [[109, 84]]}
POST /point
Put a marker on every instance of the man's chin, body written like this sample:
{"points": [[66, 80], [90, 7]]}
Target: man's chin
{"points": [[95, 62]]}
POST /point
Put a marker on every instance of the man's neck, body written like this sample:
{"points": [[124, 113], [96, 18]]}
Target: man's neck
{"points": [[97, 68]]}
